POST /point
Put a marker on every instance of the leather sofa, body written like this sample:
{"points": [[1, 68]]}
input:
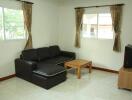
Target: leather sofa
{"points": [[43, 66]]}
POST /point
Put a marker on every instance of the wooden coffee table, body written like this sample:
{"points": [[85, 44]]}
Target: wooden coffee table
{"points": [[78, 64]]}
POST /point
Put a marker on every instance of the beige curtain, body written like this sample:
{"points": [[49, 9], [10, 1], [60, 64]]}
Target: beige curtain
{"points": [[79, 17], [27, 12], [116, 13]]}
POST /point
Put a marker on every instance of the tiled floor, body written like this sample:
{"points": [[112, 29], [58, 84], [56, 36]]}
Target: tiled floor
{"points": [[98, 85]]}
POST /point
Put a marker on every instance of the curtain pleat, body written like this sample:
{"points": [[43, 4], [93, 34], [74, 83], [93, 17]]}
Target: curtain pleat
{"points": [[79, 19], [27, 12], [116, 14]]}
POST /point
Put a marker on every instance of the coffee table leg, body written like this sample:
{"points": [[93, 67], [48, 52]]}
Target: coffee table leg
{"points": [[78, 73], [90, 67]]}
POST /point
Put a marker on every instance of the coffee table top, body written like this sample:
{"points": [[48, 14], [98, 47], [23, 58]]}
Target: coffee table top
{"points": [[77, 63]]}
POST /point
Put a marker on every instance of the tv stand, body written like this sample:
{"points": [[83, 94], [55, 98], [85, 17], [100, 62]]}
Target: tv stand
{"points": [[125, 78]]}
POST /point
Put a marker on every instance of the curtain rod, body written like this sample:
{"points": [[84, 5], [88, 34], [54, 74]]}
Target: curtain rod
{"points": [[100, 6], [25, 1]]}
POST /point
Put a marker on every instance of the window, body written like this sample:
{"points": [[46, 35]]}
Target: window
{"points": [[11, 24], [97, 25]]}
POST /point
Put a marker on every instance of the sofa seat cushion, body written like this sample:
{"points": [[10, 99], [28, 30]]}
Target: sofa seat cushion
{"points": [[49, 70], [57, 60]]}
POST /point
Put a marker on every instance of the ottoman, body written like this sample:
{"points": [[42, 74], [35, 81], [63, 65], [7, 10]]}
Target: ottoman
{"points": [[49, 75]]}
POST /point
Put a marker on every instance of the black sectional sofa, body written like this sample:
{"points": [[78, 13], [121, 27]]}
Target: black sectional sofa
{"points": [[43, 66]]}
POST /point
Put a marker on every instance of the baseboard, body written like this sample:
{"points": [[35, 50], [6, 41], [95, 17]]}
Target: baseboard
{"points": [[97, 68], [7, 77], [104, 69]]}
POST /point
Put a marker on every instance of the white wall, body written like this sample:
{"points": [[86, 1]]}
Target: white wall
{"points": [[99, 51], [45, 22], [44, 31]]}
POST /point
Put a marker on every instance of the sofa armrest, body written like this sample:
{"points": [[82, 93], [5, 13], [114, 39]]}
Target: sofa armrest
{"points": [[68, 54], [25, 63], [24, 68]]}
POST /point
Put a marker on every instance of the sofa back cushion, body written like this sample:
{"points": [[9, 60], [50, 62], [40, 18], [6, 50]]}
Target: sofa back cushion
{"points": [[30, 54], [54, 51], [43, 53]]}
